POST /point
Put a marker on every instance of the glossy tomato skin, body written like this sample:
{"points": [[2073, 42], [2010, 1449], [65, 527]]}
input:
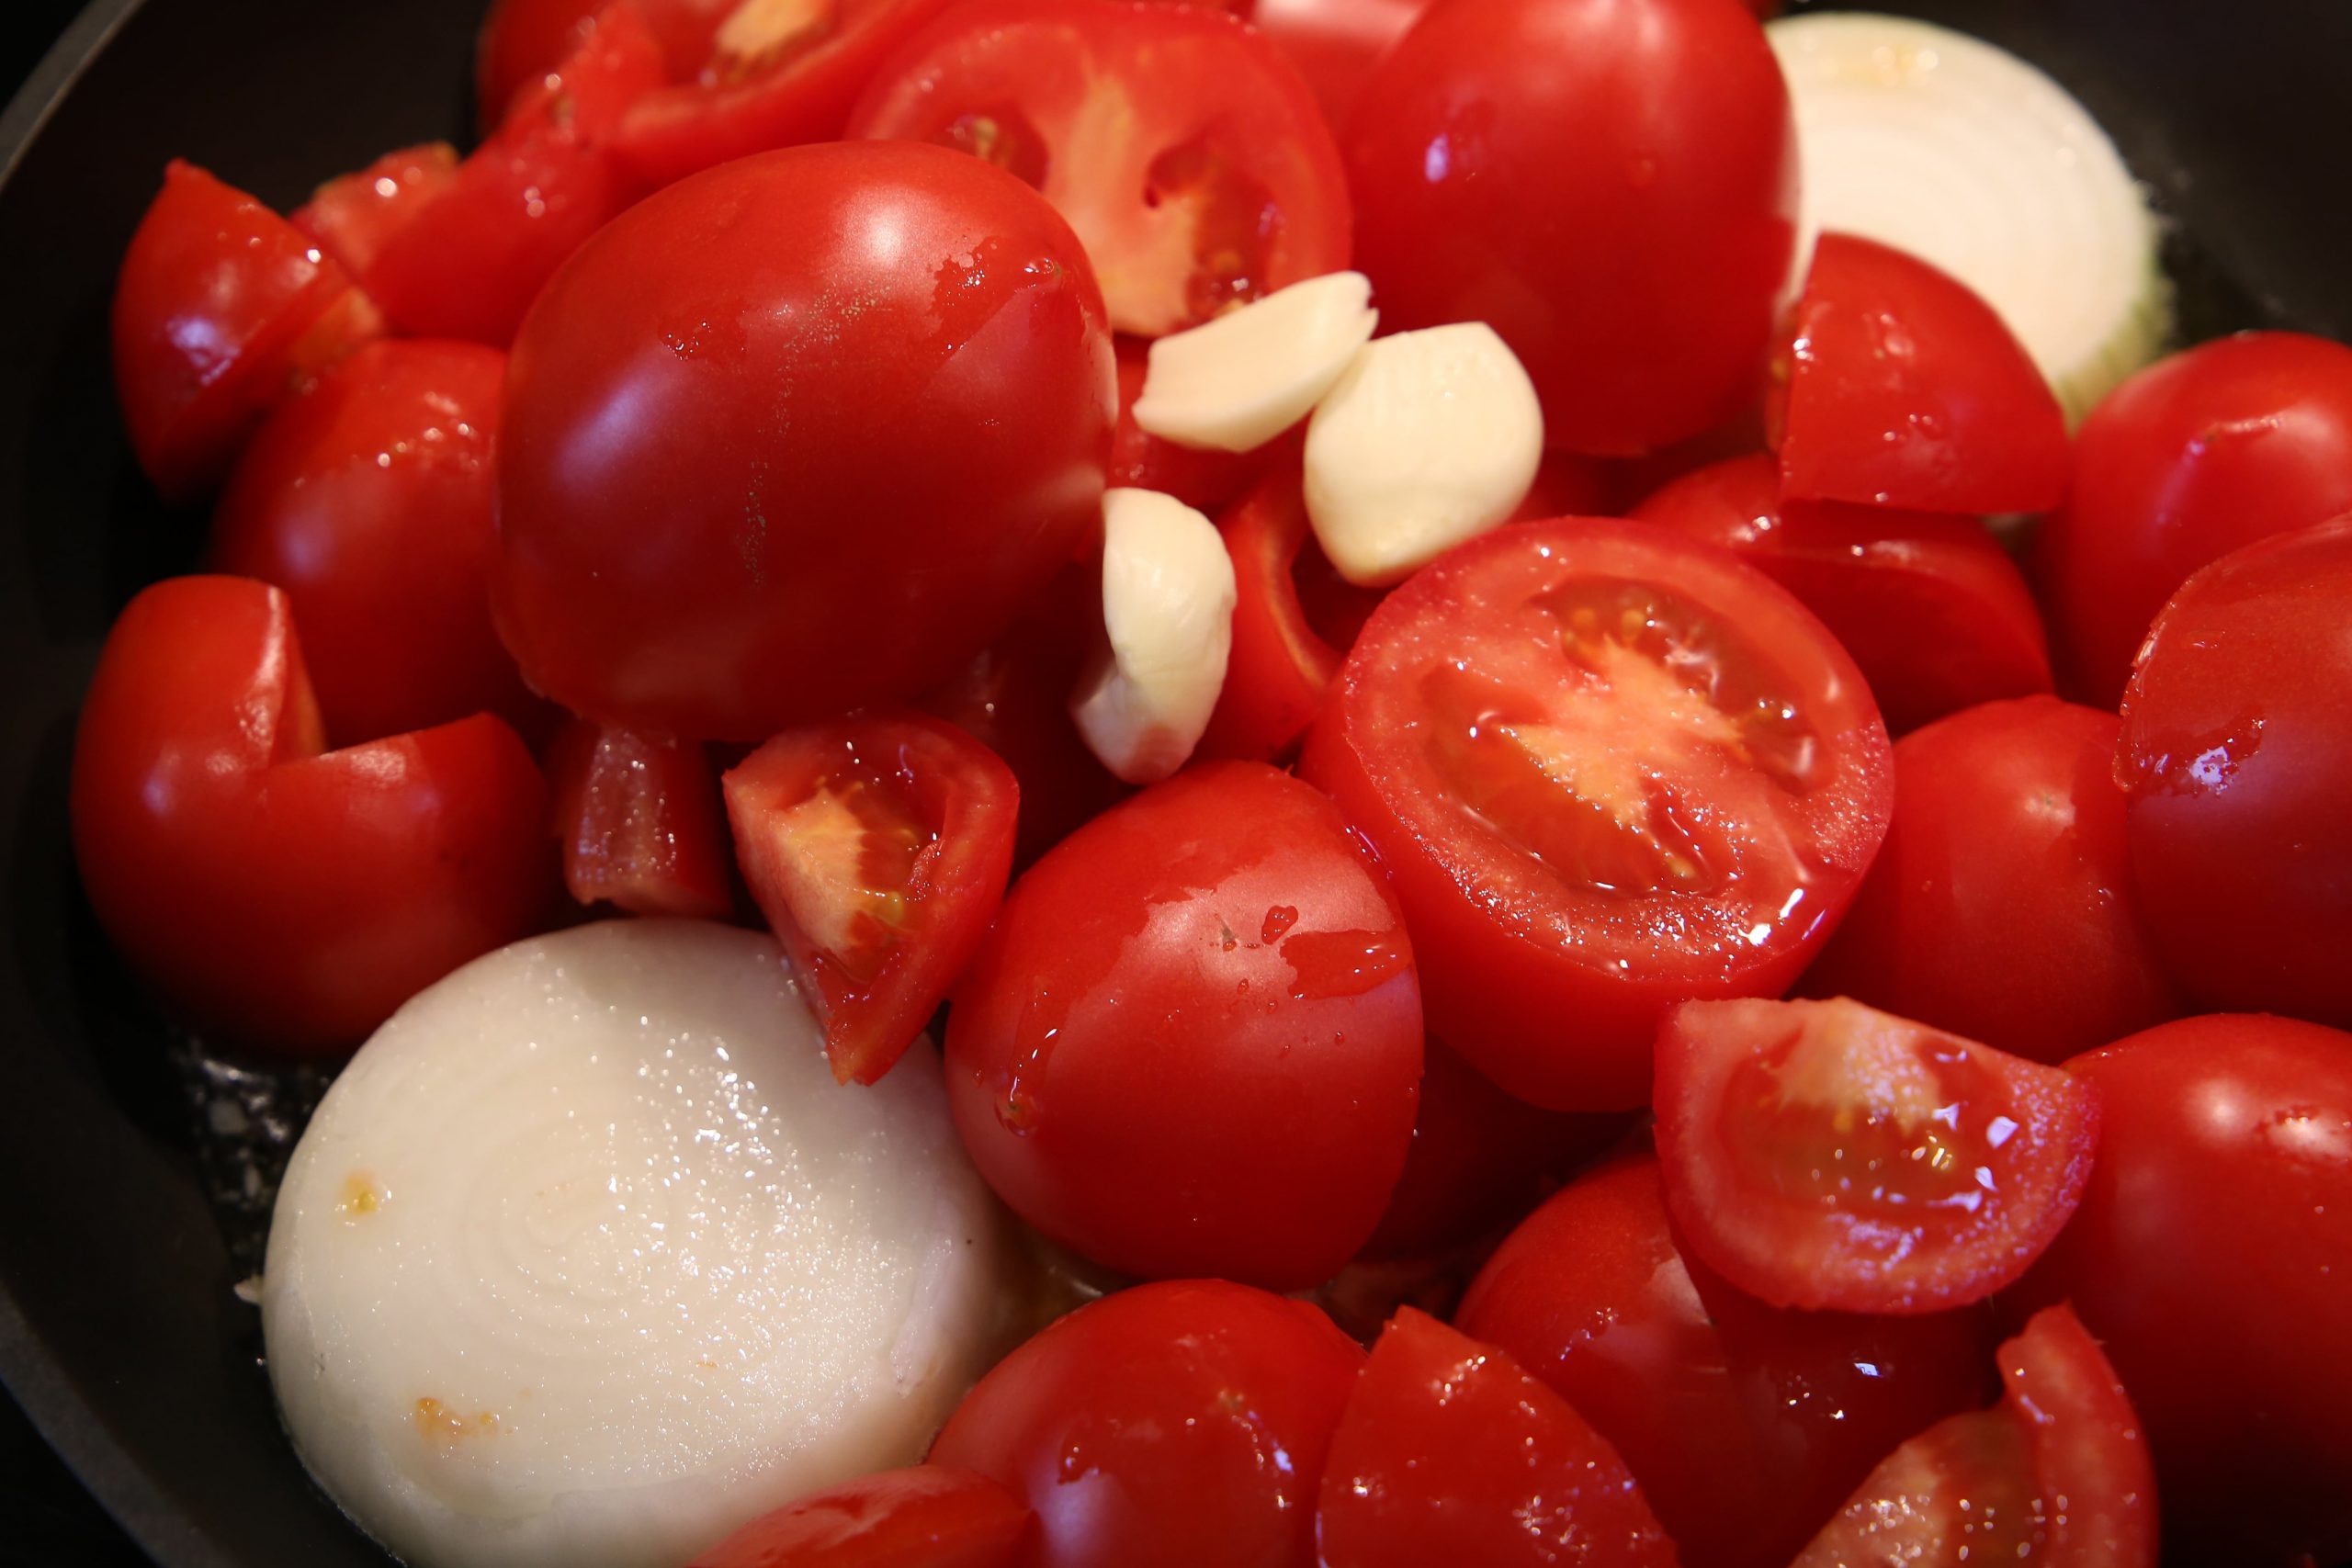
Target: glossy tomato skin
{"points": [[1745, 1425], [1555, 925], [797, 436], [1279, 669], [1191, 1044], [277, 897], [368, 500], [2237, 730], [1164, 1426], [1609, 184], [1936, 615], [2001, 905], [1335, 44], [522, 41], [637, 820], [2212, 1258], [2215, 447], [354, 216], [926, 1517]]}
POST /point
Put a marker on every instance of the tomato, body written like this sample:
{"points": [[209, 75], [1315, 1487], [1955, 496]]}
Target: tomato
{"points": [[638, 822], [354, 216], [1279, 669], [1166, 1427], [1936, 615], [867, 392], [2000, 906], [2057, 1473], [2237, 736], [470, 261], [2225, 444], [1899, 386], [878, 847], [1448, 1452], [1745, 1425], [278, 894], [929, 1516], [368, 500], [1608, 772], [1182, 149], [1191, 1044], [1827, 1156], [522, 41], [2212, 1256], [1609, 183], [1335, 44], [1204, 481], [222, 308]]}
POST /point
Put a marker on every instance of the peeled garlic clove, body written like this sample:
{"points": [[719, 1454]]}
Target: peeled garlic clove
{"points": [[1167, 596], [1237, 382]]}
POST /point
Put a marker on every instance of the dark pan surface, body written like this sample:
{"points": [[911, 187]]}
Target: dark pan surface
{"points": [[118, 1330]]}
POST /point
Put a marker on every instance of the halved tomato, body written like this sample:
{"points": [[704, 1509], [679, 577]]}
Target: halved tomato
{"points": [[1183, 149], [1829, 1155], [1607, 772], [353, 217], [638, 820], [878, 847], [926, 1517]]}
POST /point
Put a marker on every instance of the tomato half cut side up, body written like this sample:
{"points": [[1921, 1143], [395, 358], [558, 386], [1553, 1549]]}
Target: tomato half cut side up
{"points": [[1184, 151], [926, 1517], [878, 847], [639, 821], [1607, 772]]}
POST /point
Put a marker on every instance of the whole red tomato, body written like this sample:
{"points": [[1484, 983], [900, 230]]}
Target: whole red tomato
{"points": [[796, 435], [1609, 183]]}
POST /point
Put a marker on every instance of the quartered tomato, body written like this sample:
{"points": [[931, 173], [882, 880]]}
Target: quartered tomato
{"points": [[1607, 772], [354, 216], [929, 1516], [638, 822], [277, 893], [1206, 480], [1830, 1156], [1936, 615], [1279, 669], [1449, 1453], [1899, 386], [522, 41], [878, 847], [1182, 149]]}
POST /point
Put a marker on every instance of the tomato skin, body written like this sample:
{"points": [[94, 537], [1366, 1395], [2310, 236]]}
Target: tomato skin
{"points": [[2209, 449], [1164, 1426], [1448, 1452], [1279, 669], [1901, 387], [368, 500], [968, 437], [1745, 1425], [354, 216], [2237, 727], [1192, 1042], [283, 898], [1609, 184], [926, 1517], [522, 41], [2212, 1258], [1204, 481], [1936, 615], [1335, 44], [638, 822], [2006, 858]]}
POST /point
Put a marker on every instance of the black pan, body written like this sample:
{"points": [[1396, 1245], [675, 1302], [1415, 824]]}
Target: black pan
{"points": [[118, 1330]]}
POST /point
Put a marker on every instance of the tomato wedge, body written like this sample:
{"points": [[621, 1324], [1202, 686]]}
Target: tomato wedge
{"points": [[1448, 1452], [1279, 667], [638, 820], [1183, 149], [353, 217], [928, 1517], [1933, 610], [1829, 1155], [1607, 772], [878, 847], [522, 41], [1901, 387]]}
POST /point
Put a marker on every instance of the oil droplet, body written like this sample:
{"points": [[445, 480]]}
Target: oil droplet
{"points": [[1278, 922], [1325, 965], [2192, 764], [360, 1196], [1033, 1052]]}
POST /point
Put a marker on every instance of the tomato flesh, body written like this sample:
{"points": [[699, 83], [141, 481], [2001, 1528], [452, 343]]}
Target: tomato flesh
{"points": [[638, 822], [929, 1516], [1279, 667], [354, 216]]}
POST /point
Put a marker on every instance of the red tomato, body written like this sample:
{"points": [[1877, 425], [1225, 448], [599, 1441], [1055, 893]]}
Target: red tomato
{"points": [[285, 897], [1206, 481], [522, 41], [1567, 485], [1169, 1425], [2237, 738], [1279, 669], [354, 216], [930, 1516], [1934, 612], [638, 822], [1192, 1042], [878, 847], [867, 392], [1184, 151], [2199, 453], [368, 500], [2057, 1473], [2212, 1256], [1826, 1156], [470, 261], [1448, 1453], [2000, 906], [1608, 772], [223, 309], [1335, 44], [1900, 386], [1746, 1426], [1609, 184]]}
